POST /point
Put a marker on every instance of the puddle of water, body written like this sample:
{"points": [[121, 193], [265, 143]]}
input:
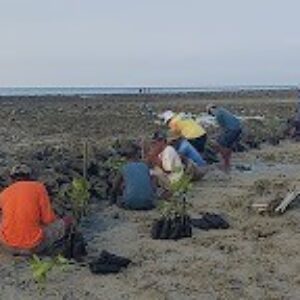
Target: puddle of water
{"points": [[260, 168]]}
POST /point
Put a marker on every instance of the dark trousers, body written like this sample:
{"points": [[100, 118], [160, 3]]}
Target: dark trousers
{"points": [[199, 142]]}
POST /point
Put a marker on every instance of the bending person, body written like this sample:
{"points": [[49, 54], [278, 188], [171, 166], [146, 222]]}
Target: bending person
{"points": [[231, 130], [186, 128]]}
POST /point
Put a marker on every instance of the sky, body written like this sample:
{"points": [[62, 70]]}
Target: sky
{"points": [[189, 43]]}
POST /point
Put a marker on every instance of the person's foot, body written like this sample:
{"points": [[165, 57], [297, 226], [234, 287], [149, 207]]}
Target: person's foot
{"points": [[225, 169]]}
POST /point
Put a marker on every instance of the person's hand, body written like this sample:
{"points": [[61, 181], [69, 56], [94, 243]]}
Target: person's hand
{"points": [[68, 220]]}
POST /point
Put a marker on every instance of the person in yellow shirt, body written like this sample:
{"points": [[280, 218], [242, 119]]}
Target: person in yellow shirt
{"points": [[186, 128]]}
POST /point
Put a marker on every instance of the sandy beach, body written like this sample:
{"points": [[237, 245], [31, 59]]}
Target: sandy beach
{"points": [[256, 258]]}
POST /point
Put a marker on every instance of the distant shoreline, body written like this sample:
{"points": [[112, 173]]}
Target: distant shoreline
{"points": [[143, 91]]}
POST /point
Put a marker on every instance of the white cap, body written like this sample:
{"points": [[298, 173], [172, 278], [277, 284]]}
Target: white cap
{"points": [[167, 116]]}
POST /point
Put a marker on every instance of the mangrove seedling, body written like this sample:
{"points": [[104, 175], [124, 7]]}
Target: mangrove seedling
{"points": [[180, 191], [79, 195], [41, 268], [174, 222], [114, 164], [176, 206]]}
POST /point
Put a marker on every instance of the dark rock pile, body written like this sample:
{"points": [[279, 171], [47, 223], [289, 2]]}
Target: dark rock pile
{"points": [[58, 166], [258, 132]]}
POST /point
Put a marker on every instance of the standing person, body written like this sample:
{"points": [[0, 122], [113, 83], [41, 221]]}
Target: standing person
{"points": [[230, 132], [166, 163], [294, 125], [295, 122], [133, 184], [28, 222], [186, 128]]}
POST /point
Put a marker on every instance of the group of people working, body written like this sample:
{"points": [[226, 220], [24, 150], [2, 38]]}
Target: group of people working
{"points": [[170, 156], [28, 223]]}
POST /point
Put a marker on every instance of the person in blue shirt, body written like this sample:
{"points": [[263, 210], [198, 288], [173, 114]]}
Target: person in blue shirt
{"points": [[231, 130], [133, 188]]}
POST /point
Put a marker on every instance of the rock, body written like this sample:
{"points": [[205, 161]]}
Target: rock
{"points": [[243, 168]]}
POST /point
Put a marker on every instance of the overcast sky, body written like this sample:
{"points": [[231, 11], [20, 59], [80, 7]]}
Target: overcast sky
{"points": [[149, 42]]}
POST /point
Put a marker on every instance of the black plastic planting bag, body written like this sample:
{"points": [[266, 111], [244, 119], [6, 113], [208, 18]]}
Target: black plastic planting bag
{"points": [[210, 221], [108, 263], [171, 228], [75, 246]]}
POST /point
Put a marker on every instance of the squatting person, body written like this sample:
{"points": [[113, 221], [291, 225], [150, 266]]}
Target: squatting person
{"points": [[28, 222], [133, 188], [167, 166]]}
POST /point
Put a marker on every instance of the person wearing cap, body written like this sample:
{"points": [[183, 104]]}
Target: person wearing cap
{"points": [[167, 165], [186, 128], [28, 222], [231, 130], [133, 188]]}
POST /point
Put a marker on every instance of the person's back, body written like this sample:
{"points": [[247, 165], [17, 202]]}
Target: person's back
{"points": [[227, 120], [187, 127], [25, 208], [138, 190]]}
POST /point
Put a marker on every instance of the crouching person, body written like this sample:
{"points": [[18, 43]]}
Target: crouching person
{"points": [[166, 163], [133, 188], [28, 222]]}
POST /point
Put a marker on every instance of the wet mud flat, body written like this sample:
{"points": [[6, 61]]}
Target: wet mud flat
{"points": [[257, 258]]}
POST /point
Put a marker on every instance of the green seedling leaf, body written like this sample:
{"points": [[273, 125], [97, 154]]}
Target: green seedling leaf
{"points": [[177, 205], [79, 196]]}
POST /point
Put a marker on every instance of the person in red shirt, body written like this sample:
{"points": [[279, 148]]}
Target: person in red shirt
{"points": [[28, 223]]}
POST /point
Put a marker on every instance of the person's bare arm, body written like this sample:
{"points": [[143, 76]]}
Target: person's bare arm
{"points": [[153, 157]]}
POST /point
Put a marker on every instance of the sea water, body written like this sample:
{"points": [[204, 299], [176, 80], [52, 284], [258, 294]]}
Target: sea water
{"points": [[69, 91]]}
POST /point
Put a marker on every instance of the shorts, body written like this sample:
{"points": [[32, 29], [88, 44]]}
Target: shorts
{"points": [[52, 233], [229, 137], [199, 143]]}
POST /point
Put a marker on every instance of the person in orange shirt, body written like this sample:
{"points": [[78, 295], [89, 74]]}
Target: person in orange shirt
{"points": [[28, 223]]}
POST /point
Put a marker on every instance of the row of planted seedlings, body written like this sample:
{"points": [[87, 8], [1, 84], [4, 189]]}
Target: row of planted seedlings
{"points": [[62, 169]]}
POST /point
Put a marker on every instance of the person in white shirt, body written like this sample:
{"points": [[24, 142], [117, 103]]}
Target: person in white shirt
{"points": [[166, 163]]}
